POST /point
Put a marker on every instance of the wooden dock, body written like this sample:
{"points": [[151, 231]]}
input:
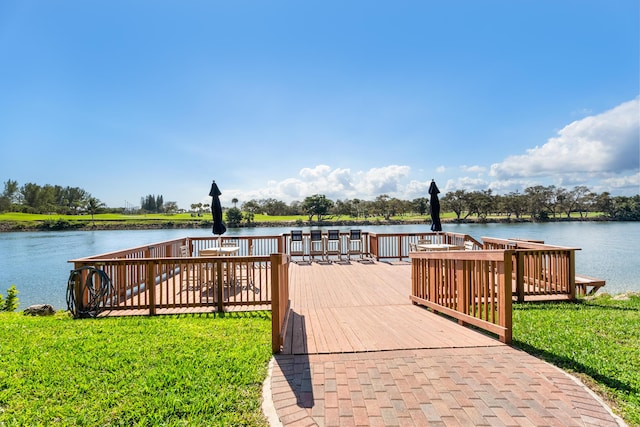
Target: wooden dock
{"points": [[363, 307]]}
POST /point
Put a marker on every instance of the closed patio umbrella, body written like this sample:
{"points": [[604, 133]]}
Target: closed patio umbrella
{"points": [[216, 209], [434, 207]]}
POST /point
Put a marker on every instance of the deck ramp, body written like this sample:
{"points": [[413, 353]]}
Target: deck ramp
{"points": [[362, 307]]}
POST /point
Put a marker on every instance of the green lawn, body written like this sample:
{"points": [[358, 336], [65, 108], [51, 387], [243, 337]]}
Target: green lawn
{"points": [[136, 371], [598, 340]]}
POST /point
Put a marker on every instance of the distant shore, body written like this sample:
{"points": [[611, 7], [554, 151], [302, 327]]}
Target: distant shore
{"points": [[156, 224]]}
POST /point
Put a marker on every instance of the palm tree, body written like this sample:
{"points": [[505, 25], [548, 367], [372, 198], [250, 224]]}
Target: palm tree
{"points": [[93, 206], [235, 202]]}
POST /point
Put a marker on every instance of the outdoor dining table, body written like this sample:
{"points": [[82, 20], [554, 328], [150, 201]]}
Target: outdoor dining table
{"points": [[220, 250], [439, 247]]}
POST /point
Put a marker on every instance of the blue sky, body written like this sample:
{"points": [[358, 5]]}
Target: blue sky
{"points": [[288, 99]]}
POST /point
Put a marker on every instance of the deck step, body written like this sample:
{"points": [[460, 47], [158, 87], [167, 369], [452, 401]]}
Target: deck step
{"points": [[586, 285]]}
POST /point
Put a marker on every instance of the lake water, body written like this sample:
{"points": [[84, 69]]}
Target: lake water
{"points": [[36, 262]]}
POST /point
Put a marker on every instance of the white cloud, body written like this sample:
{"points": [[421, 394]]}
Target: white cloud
{"points": [[465, 183], [630, 182], [473, 169], [385, 180], [336, 184], [596, 145]]}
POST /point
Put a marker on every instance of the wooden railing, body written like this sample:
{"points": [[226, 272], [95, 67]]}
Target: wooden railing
{"points": [[157, 276], [471, 286], [153, 250], [396, 246], [474, 286], [540, 270], [280, 300], [181, 282], [249, 245]]}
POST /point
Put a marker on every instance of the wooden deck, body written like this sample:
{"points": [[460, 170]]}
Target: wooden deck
{"points": [[365, 307]]}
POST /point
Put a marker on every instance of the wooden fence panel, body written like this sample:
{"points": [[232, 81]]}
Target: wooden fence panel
{"points": [[471, 286]]}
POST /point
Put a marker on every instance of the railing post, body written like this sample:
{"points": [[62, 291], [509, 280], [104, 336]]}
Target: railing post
{"points": [[282, 244], [519, 276], [462, 289], [150, 283], [572, 274], [373, 246], [276, 321], [219, 283], [505, 298]]}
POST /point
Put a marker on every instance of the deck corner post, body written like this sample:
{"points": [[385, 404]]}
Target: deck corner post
{"points": [[572, 275], [150, 284], [276, 321], [505, 304]]}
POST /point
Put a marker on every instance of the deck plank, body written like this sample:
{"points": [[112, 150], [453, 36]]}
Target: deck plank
{"points": [[362, 307]]}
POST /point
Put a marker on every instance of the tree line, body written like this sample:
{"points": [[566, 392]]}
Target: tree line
{"points": [[537, 202], [47, 199], [33, 198]]}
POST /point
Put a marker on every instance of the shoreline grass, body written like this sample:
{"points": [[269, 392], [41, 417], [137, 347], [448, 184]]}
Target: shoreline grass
{"points": [[169, 370], [596, 339], [209, 369], [16, 221]]}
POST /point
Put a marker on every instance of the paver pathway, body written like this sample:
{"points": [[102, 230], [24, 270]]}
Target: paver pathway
{"points": [[456, 376]]}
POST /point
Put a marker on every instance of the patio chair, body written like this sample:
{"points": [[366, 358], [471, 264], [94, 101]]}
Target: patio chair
{"points": [[191, 281], [296, 245], [184, 251], [229, 243], [355, 245], [468, 245], [415, 247], [316, 245], [333, 245]]}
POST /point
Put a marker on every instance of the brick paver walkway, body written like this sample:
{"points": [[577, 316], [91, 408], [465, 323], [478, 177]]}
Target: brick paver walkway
{"points": [[484, 386], [405, 366]]}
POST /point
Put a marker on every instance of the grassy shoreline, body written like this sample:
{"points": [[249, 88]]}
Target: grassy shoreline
{"points": [[209, 369], [10, 222]]}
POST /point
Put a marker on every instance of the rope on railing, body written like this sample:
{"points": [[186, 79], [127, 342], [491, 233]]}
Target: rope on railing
{"points": [[87, 299]]}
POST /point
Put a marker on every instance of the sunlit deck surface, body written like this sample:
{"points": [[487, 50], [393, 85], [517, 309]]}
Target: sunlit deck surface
{"points": [[362, 307]]}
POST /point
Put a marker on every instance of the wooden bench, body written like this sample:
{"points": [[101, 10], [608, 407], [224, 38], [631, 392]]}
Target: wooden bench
{"points": [[583, 283]]}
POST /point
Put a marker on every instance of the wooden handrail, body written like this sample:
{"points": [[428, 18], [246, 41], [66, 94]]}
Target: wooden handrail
{"points": [[471, 286], [539, 269], [397, 245], [178, 282]]}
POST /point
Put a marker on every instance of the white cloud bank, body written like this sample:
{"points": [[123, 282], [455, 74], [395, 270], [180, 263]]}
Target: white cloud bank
{"points": [[596, 146], [338, 184]]}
